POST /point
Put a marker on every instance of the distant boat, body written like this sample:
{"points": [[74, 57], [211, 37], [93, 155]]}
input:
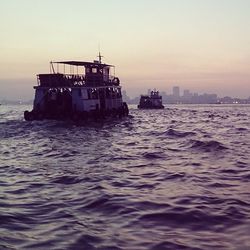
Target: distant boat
{"points": [[93, 93], [152, 101]]}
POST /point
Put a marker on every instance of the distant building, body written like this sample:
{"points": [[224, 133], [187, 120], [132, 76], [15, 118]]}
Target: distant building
{"points": [[176, 91], [226, 99], [186, 93], [164, 96], [187, 96]]}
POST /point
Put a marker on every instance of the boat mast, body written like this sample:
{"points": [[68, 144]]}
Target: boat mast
{"points": [[100, 57], [99, 54]]}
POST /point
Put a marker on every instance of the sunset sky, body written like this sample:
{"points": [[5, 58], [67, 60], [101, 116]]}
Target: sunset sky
{"points": [[200, 45]]}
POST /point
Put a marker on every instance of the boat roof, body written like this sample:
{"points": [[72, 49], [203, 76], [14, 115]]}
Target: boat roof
{"points": [[89, 64]]}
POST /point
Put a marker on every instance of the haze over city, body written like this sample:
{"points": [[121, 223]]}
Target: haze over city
{"points": [[198, 45]]}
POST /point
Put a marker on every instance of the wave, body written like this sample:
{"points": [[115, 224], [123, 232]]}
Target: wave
{"points": [[154, 155], [177, 133], [168, 245], [193, 220], [207, 146], [67, 180]]}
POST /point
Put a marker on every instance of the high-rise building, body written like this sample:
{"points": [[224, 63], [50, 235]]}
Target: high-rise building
{"points": [[186, 93], [176, 91]]}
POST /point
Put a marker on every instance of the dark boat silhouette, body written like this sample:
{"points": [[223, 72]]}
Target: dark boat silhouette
{"points": [[152, 101], [88, 91]]}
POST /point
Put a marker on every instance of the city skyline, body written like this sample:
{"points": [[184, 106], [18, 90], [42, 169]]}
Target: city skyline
{"points": [[196, 44], [186, 96]]}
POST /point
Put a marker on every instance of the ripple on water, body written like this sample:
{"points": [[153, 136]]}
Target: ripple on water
{"points": [[207, 146], [171, 179]]}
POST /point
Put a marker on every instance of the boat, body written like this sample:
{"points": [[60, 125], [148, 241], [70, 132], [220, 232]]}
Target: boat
{"points": [[152, 101], [86, 91]]}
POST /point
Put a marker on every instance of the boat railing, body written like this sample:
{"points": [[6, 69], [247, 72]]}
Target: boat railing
{"points": [[73, 80], [155, 95]]}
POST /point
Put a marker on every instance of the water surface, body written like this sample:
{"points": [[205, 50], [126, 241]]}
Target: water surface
{"points": [[176, 178]]}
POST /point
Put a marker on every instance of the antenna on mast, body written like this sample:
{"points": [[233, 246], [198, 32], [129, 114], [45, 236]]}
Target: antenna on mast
{"points": [[99, 54], [100, 57]]}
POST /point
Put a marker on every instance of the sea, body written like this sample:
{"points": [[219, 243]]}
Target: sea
{"points": [[177, 178]]}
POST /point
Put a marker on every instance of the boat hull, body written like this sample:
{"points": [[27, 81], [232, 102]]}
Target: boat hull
{"points": [[123, 111], [150, 107]]}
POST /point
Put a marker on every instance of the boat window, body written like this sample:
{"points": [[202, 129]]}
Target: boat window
{"points": [[85, 94], [94, 70], [106, 71]]}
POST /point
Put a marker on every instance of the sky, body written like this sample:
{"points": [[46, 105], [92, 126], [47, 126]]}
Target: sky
{"points": [[200, 45]]}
